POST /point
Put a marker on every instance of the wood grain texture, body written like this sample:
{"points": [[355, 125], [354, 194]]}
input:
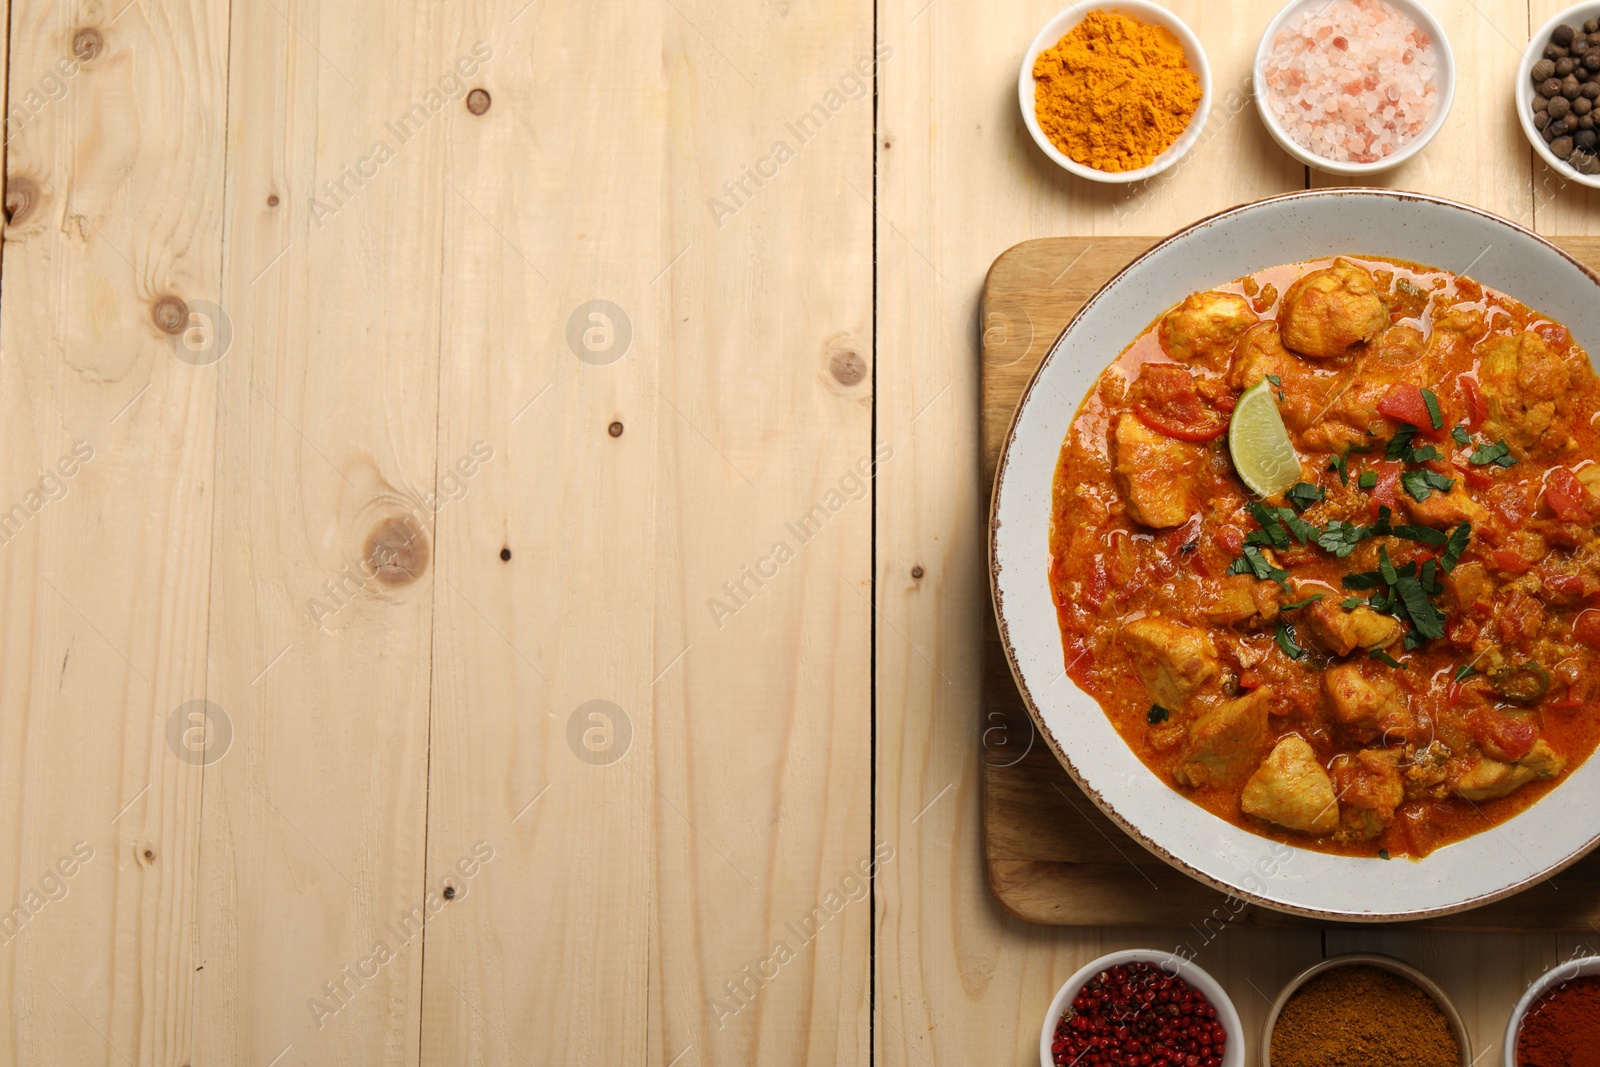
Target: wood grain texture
{"points": [[105, 559], [325, 578]]}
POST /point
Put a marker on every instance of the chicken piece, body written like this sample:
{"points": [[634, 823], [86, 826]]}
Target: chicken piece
{"points": [[1527, 388], [1155, 473], [1397, 347], [1173, 660], [1370, 788], [1204, 328], [1350, 415], [1446, 509], [1427, 771], [1242, 599], [1290, 788], [1368, 706], [1260, 353], [1341, 631], [1470, 586], [1489, 779], [1225, 741], [1329, 310]]}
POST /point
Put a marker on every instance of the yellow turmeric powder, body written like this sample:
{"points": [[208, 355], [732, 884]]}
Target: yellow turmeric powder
{"points": [[1114, 93]]}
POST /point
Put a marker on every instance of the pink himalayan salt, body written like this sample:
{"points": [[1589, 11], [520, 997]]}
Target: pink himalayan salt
{"points": [[1353, 81]]}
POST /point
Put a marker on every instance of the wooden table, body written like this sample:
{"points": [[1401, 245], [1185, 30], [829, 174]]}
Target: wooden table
{"points": [[405, 425]]}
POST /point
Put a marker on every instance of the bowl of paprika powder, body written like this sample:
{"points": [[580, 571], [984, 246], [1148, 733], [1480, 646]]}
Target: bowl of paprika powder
{"points": [[1116, 93], [1558, 1019]]}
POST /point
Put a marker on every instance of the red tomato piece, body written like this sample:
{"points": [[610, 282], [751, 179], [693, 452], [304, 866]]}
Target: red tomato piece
{"points": [[1586, 627], [1169, 404], [1566, 495], [1404, 402], [1099, 583], [1509, 562], [1231, 539], [1476, 477], [1387, 491], [1250, 680], [1511, 737], [1477, 407]]}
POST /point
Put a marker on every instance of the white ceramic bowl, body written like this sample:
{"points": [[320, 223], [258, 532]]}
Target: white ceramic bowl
{"points": [[1175, 965], [1543, 839], [1150, 14], [1573, 16], [1546, 982], [1445, 74], [1387, 963]]}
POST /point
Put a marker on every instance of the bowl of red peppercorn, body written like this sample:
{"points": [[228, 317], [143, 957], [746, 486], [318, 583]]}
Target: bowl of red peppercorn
{"points": [[1141, 1008], [1558, 94], [1557, 1021]]}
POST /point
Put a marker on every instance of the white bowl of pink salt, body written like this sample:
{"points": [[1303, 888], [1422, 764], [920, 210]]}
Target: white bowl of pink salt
{"points": [[1354, 86]]}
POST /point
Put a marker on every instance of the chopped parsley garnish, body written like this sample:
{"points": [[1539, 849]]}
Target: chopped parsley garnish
{"points": [[1361, 580], [1383, 657], [1400, 444], [1158, 714], [1498, 453], [1461, 435], [1434, 414], [1383, 853], [1425, 534], [1341, 463], [1368, 480], [1303, 494], [1285, 638], [1277, 384], [1421, 483], [1351, 602], [1253, 562], [1465, 671], [1312, 599], [1456, 544]]}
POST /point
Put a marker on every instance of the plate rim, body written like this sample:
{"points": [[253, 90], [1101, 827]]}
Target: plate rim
{"points": [[997, 597]]}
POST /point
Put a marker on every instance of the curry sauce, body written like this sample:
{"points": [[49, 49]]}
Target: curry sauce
{"points": [[1398, 651]]}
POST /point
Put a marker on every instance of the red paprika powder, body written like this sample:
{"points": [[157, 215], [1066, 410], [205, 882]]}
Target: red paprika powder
{"points": [[1562, 1027]]}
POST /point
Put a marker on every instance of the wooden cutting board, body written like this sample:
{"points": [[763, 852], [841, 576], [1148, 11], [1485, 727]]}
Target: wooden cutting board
{"points": [[1052, 856]]}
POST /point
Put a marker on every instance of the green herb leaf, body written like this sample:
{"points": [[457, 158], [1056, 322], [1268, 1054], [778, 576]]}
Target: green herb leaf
{"points": [[1430, 579], [1427, 620], [1386, 566], [1423, 454], [1339, 467], [1455, 546], [1434, 414], [1361, 580], [1425, 534], [1465, 671], [1158, 714], [1368, 480], [1383, 657], [1351, 602], [1498, 453], [1400, 444], [1285, 638], [1461, 435], [1277, 385], [1312, 599], [1383, 853], [1303, 494], [1421, 483]]}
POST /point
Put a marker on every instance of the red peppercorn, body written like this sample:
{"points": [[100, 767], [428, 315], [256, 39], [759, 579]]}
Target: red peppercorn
{"points": [[1137, 1015]]}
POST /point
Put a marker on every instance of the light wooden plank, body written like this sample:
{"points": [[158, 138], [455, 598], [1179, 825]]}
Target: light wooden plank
{"points": [[105, 561], [1479, 156], [314, 821], [622, 904]]}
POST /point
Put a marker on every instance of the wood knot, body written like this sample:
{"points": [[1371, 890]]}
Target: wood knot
{"points": [[149, 855], [87, 43], [169, 313], [478, 101], [272, 200], [917, 572], [449, 892], [22, 193], [615, 429], [396, 552], [847, 367], [505, 555]]}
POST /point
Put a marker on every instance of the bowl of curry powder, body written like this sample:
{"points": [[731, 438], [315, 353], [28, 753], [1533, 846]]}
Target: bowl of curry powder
{"points": [[1115, 94], [1362, 1010]]}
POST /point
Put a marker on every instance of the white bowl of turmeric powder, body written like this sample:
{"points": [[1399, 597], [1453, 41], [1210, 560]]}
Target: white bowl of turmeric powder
{"points": [[1116, 93]]}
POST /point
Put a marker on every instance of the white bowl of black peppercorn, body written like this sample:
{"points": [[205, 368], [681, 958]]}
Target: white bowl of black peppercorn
{"points": [[1560, 113]]}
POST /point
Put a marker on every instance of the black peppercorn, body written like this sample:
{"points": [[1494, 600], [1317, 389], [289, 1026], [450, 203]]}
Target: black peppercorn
{"points": [[1557, 128], [1586, 140], [1584, 162], [1586, 122], [1582, 105], [1559, 107], [1542, 70], [1570, 87], [1554, 51], [1541, 119], [1591, 26], [1561, 35], [1565, 66], [1551, 87], [1591, 60], [1590, 89], [1580, 49], [1562, 147]]}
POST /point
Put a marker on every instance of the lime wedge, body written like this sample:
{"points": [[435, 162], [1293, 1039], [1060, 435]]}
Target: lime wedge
{"points": [[1260, 446]]}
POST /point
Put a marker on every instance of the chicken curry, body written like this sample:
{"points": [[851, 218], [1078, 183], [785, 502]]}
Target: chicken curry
{"points": [[1398, 651]]}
